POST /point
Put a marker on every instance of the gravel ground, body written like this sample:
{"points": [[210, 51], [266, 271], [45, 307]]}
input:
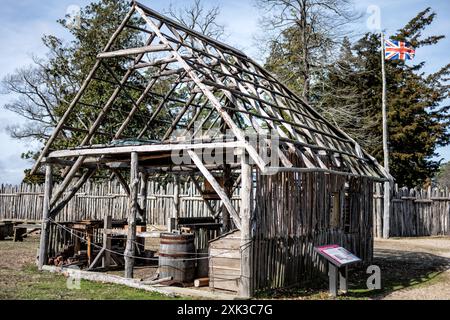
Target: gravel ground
{"points": [[420, 254]]}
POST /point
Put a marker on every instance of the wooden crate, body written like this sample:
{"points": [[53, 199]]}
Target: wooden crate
{"points": [[225, 262]]}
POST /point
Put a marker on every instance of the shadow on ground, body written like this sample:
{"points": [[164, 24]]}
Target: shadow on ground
{"points": [[399, 270]]}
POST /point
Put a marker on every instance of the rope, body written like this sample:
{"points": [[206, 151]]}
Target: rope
{"points": [[135, 257]]}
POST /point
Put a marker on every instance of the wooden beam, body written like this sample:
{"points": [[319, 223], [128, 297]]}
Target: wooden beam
{"points": [[122, 181], [227, 188], [141, 149], [245, 284], [179, 116], [67, 180], [84, 178], [216, 186], [127, 189], [199, 189], [176, 199], [133, 51], [166, 62], [161, 105], [236, 130], [143, 196], [43, 247], [97, 259], [107, 224], [274, 170], [131, 237], [155, 63]]}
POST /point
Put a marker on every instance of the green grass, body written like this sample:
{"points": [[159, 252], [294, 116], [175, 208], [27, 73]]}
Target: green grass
{"points": [[21, 280], [30, 284]]}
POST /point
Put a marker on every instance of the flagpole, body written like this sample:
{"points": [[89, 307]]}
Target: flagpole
{"points": [[387, 185]]}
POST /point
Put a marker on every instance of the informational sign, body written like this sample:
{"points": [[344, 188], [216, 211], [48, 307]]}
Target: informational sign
{"points": [[337, 255]]}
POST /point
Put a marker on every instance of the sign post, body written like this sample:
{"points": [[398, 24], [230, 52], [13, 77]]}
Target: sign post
{"points": [[338, 259]]}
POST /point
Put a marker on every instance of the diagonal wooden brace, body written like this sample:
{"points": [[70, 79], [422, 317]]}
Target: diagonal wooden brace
{"points": [[216, 186]]}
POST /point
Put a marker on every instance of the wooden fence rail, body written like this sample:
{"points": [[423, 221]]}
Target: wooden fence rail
{"points": [[415, 212], [94, 200]]}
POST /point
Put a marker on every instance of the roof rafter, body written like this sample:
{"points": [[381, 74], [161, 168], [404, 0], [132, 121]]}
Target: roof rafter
{"points": [[181, 79]]}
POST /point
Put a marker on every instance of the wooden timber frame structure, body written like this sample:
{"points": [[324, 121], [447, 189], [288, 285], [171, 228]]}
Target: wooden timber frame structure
{"points": [[320, 192]]}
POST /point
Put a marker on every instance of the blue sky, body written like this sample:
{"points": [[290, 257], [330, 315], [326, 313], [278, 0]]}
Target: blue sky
{"points": [[23, 22]]}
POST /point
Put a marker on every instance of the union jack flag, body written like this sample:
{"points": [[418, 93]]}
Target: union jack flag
{"points": [[398, 50]]}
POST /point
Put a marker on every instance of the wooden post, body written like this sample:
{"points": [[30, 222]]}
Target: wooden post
{"points": [[89, 235], [131, 236], [45, 229], [245, 287], [387, 185], [333, 275], [143, 197], [379, 218], [176, 201], [225, 214], [107, 224], [343, 279]]}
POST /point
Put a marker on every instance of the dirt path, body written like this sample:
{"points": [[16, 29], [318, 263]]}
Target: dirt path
{"points": [[411, 269], [420, 254]]}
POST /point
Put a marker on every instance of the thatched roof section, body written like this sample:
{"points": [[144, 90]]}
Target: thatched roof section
{"points": [[188, 81]]}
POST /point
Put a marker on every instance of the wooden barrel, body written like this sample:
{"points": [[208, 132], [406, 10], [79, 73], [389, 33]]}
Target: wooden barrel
{"points": [[176, 257]]}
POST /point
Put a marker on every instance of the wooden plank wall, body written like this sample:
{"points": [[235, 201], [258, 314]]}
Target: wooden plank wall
{"points": [[95, 199], [293, 215], [415, 212]]}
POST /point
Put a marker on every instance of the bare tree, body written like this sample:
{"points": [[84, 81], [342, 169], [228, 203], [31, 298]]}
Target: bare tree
{"points": [[304, 33], [38, 95], [41, 92], [199, 18]]}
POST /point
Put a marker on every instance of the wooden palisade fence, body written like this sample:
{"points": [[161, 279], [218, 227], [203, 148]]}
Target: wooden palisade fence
{"points": [[415, 212], [95, 200]]}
